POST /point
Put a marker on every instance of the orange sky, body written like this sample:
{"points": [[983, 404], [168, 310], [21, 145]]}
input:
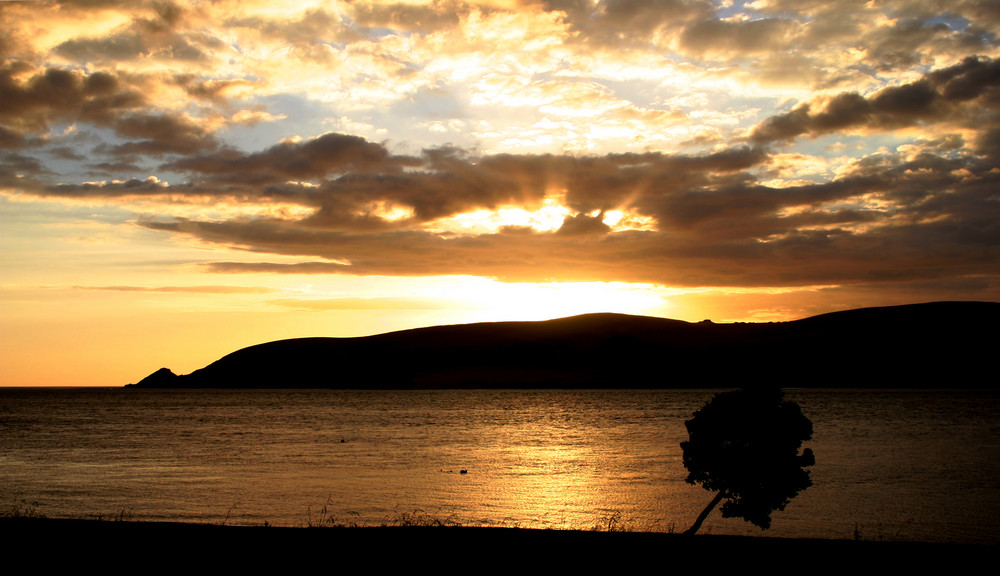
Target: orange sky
{"points": [[179, 180]]}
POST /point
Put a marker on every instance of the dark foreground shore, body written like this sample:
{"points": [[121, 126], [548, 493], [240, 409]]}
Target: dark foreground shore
{"points": [[453, 549]]}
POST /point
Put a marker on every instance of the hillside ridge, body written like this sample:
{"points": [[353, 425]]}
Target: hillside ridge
{"points": [[937, 344]]}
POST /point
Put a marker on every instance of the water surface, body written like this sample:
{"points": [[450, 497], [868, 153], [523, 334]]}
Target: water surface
{"points": [[917, 465]]}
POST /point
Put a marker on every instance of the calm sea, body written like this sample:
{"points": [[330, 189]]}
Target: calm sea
{"points": [[897, 465]]}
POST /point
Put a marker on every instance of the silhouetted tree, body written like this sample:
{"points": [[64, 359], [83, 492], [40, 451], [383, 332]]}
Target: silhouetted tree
{"points": [[744, 444]]}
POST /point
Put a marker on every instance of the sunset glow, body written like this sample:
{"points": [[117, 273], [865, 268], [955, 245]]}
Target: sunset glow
{"points": [[182, 179]]}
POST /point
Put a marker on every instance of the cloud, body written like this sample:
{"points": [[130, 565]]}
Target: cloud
{"points": [[212, 90], [630, 22], [24, 164], [886, 218], [155, 37], [160, 134], [114, 189], [33, 99], [314, 158], [615, 82], [581, 224], [924, 213], [275, 268], [715, 37], [942, 95], [409, 17], [308, 27], [10, 138]]}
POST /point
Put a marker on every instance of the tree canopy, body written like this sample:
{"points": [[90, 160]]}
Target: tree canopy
{"points": [[744, 445]]}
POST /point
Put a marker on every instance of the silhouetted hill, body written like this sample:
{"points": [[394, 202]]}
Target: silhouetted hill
{"points": [[939, 344]]}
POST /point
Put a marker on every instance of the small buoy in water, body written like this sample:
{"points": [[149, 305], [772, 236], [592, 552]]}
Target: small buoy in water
{"points": [[463, 471]]}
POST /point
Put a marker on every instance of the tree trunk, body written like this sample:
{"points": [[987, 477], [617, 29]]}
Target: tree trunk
{"points": [[704, 514]]}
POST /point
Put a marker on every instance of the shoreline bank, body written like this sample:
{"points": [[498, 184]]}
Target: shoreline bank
{"points": [[139, 541]]}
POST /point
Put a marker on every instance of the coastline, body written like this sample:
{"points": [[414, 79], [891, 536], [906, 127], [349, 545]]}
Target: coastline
{"points": [[81, 540]]}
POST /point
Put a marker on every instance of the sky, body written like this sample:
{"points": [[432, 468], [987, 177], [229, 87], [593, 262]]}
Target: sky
{"points": [[179, 180]]}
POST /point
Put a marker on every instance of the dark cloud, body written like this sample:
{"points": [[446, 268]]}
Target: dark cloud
{"points": [[66, 153], [889, 218], [790, 42], [929, 217], [125, 165], [928, 214], [941, 95], [968, 79], [645, 17], [899, 47], [56, 94], [156, 36], [7, 43], [584, 224], [357, 179], [209, 90], [623, 23], [798, 256], [23, 164], [33, 102], [904, 104], [713, 36], [11, 139], [787, 126], [620, 180], [315, 158], [272, 268], [113, 189], [160, 134], [767, 34]]}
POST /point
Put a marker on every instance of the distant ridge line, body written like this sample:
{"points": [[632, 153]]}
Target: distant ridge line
{"points": [[930, 345]]}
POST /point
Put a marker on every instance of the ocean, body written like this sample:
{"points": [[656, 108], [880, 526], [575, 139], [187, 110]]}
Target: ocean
{"points": [[892, 465]]}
